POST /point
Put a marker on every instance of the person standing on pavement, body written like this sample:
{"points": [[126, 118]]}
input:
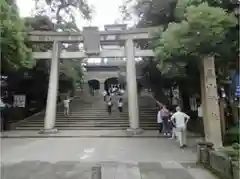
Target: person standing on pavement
{"points": [[181, 120], [159, 120], [165, 118]]}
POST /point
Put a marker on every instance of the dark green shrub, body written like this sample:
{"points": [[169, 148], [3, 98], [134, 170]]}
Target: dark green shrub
{"points": [[233, 135]]}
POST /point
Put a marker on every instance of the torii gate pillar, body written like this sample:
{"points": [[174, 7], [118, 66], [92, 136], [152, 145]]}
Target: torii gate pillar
{"points": [[50, 116], [133, 110]]}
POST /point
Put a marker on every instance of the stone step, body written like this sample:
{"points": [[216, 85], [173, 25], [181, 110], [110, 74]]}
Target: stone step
{"points": [[83, 128], [90, 113], [88, 125], [104, 112], [84, 111], [103, 116], [106, 120], [103, 107], [90, 121]]}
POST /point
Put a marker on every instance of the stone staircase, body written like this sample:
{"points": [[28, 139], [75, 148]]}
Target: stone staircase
{"points": [[89, 113]]}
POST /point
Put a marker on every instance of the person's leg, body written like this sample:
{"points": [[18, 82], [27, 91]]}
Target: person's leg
{"points": [[109, 110], [177, 134], [170, 128], [160, 125], [64, 111], [165, 130], [67, 111], [181, 137], [173, 133]]}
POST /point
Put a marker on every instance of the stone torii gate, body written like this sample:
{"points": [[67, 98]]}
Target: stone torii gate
{"points": [[117, 34], [92, 39]]}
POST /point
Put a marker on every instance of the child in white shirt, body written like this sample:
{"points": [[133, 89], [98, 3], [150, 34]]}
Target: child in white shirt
{"points": [[66, 106]]}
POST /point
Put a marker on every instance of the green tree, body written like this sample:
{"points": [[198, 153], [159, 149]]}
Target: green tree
{"points": [[15, 53], [201, 33]]}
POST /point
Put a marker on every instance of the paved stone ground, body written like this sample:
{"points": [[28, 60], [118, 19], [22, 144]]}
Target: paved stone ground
{"points": [[116, 158], [83, 133]]}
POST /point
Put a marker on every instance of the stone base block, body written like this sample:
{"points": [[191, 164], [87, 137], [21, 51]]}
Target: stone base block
{"points": [[49, 131], [131, 131]]}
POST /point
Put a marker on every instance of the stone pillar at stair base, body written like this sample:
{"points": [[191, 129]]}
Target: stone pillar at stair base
{"points": [[212, 113], [133, 110], [50, 115], [202, 85]]}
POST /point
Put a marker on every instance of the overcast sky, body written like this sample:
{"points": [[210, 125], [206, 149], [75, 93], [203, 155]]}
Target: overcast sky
{"points": [[105, 11]]}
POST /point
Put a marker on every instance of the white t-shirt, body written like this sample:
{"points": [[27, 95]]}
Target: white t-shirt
{"points": [[180, 119], [120, 104], [104, 93], [66, 103], [200, 112], [159, 118]]}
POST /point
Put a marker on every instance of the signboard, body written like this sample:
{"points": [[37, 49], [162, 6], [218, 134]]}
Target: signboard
{"points": [[19, 101]]}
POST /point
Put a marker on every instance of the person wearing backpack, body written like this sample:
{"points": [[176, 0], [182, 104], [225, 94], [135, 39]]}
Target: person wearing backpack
{"points": [[109, 106]]}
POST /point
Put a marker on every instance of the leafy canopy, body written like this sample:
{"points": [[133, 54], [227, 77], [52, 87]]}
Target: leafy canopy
{"points": [[15, 53], [203, 29]]}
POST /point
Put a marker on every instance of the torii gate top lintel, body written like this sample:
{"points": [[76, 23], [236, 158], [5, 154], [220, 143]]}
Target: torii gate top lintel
{"points": [[93, 39], [135, 33]]}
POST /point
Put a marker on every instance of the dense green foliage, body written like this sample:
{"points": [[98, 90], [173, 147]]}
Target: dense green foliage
{"points": [[200, 33], [15, 53]]}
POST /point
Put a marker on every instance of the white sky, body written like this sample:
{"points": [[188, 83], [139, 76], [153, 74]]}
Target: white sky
{"points": [[105, 12]]}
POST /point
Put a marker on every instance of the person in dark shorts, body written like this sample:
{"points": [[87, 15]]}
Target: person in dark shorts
{"points": [[109, 106]]}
